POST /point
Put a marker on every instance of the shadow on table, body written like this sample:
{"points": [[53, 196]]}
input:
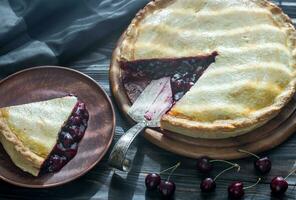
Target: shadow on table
{"points": [[83, 188]]}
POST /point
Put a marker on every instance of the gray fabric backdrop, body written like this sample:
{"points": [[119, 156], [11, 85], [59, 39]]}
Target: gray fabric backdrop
{"points": [[58, 32]]}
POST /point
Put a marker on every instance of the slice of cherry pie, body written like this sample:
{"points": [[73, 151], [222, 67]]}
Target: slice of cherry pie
{"points": [[232, 63], [42, 137]]}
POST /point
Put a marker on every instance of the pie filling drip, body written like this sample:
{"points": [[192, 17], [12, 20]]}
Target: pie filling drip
{"points": [[184, 73], [68, 138]]}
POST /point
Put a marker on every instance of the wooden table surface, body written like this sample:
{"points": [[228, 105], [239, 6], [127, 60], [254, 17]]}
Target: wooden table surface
{"points": [[102, 183]]}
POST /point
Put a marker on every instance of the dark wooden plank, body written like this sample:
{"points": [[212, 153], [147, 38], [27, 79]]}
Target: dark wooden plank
{"points": [[100, 184]]}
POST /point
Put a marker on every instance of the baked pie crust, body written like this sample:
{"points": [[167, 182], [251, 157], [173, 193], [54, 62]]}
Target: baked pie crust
{"points": [[22, 156], [253, 77]]}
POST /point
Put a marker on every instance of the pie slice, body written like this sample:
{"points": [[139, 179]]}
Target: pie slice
{"points": [[232, 63], [43, 136]]}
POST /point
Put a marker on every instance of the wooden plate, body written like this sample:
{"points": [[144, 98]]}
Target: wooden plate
{"points": [[42, 83], [264, 138]]}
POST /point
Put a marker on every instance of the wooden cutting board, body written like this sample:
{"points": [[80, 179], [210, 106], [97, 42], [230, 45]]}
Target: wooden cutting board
{"points": [[262, 139]]}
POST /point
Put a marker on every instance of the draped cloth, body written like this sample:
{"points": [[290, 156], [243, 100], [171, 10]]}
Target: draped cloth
{"points": [[59, 32]]}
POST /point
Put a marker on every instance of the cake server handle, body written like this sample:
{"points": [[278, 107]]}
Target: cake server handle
{"points": [[117, 158]]}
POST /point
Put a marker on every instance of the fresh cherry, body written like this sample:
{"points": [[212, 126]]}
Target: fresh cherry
{"points": [[167, 189], [208, 185], [278, 186], [152, 181], [236, 190], [204, 165], [261, 165]]}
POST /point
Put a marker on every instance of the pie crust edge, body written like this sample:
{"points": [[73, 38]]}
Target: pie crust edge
{"points": [[22, 156], [220, 128]]}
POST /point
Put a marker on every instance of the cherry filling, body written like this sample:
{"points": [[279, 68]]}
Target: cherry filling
{"points": [[184, 73], [69, 137]]}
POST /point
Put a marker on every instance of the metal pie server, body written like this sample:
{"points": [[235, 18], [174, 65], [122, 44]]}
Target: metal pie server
{"points": [[154, 101]]}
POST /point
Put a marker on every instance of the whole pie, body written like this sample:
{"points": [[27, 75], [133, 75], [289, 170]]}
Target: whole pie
{"points": [[232, 63], [42, 137]]}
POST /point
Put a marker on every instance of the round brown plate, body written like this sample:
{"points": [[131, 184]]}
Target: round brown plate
{"points": [[264, 138], [42, 83]]}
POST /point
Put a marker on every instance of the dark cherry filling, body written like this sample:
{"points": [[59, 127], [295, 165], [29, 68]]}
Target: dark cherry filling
{"points": [[69, 137], [184, 73]]}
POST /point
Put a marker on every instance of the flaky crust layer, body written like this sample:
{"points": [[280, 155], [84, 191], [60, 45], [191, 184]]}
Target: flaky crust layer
{"points": [[219, 128], [22, 156]]}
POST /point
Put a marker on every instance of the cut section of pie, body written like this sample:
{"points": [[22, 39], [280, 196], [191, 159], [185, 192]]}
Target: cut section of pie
{"points": [[43, 136], [232, 63]]}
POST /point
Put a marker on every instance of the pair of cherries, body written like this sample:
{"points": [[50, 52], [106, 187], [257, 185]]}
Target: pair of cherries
{"points": [[262, 165], [166, 187], [236, 190]]}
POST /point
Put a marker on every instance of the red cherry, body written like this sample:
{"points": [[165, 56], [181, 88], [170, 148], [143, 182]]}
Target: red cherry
{"points": [[167, 189], [236, 190], [152, 181], [208, 185], [278, 186], [263, 165], [204, 165]]}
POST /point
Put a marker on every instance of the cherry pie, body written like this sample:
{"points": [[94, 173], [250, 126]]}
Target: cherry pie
{"points": [[42, 137], [232, 63]]}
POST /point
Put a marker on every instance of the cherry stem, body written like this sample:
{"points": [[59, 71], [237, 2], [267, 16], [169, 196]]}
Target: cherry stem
{"points": [[174, 168], [292, 172], [247, 152], [259, 179], [176, 165], [225, 170], [223, 161]]}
